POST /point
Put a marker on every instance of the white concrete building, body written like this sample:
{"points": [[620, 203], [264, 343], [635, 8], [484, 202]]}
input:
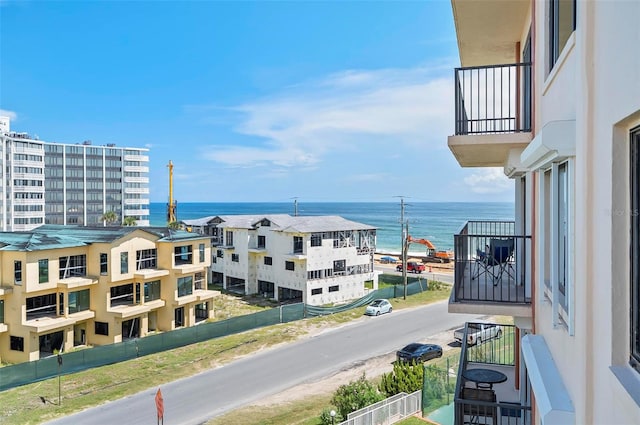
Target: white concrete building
{"points": [[550, 91], [55, 183], [313, 259]]}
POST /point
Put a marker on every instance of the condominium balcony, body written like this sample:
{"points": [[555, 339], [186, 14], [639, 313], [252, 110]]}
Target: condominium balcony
{"points": [[491, 270], [498, 401], [492, 114]]}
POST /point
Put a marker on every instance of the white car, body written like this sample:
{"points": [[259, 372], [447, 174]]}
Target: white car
{"points": [[378, 307]]}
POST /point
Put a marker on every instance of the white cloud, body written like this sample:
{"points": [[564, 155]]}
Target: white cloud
{"points": [[11, 114], [489, 181], [343, 112]]}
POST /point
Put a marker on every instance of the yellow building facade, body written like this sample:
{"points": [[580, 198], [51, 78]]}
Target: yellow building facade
{"points": [[64, 287]]}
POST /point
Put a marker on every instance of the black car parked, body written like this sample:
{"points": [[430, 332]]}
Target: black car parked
{"points": [[416, 352]]}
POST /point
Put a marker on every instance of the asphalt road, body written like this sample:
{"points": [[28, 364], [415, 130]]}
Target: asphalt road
{"points": [[196, 399]]}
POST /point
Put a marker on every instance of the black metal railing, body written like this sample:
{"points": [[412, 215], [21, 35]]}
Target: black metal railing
{"points": [[493, 99], [491, 263], [490, 405]]}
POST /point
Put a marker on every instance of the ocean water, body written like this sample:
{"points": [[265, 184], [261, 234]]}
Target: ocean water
{"points": [[436, 221]]}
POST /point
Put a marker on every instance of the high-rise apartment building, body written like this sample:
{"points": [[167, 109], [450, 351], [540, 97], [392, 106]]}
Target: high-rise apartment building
{"points": [[57, 183]]}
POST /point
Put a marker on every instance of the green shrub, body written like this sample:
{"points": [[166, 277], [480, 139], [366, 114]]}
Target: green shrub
{"points": [[354, 396], [405, 377]]}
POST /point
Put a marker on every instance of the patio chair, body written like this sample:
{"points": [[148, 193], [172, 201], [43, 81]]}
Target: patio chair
{"points": [[495, 261], [479, 414]]}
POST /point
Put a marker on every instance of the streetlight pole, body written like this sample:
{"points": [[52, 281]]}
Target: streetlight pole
{"points": [[405, 247], [333, 416]]}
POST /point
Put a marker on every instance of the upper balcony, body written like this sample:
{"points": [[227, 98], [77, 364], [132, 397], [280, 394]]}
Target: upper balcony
{"points": [[498, 401], [492, 114], [491, 270]]}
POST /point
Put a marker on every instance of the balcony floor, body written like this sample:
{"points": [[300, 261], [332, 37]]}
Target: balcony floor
{"points": [[490, 286], [505, 391]]}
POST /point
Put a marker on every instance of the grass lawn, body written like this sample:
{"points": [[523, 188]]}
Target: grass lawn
{"points": [[99, 385]]}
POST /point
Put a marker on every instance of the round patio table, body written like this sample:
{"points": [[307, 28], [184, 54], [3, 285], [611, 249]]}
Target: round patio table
{"points": [[484, 378]]}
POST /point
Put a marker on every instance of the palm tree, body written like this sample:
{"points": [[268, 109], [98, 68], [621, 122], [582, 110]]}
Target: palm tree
{"points": [[129, 221], [109, 217]]}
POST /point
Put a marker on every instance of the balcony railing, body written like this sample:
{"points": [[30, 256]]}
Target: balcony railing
{"points": [[491, 263], [493, 99], [497, 403]]}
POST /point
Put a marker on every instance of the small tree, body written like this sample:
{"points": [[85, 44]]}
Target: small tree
{"points": [[355, 395], [109, 217], [405, 377], [129, 221]]}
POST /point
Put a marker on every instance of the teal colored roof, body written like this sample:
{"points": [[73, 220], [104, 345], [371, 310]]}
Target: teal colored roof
{"points": [[52, 236]]}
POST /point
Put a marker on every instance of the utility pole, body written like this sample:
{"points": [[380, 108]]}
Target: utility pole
{"points": [[405, 247], [295, 207]]}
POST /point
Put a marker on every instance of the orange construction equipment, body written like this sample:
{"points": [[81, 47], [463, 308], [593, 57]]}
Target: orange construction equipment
{"points": [[432, 254]]}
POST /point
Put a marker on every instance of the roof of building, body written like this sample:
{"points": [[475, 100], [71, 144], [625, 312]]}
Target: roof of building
{"points": [[283, 222], [52, 236]]}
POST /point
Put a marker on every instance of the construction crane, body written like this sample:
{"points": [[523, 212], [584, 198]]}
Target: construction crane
{"points": [[172, 205], [433, 255]]}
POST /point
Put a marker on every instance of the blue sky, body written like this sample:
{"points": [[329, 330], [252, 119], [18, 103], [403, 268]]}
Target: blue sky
{"points": [[252, 101]]}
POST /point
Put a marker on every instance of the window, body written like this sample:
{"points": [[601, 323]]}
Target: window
{"points": [[17, 272], [182, 255], [17, 343], [334, 288], [74, 265], [79, 301], [220, 253], [104, 264], [316, 239], [201, 251], [262, 241], [635, 248], [185, 286], [235, 258], [122, 295], [1, 311], [339, 266], [289, 265], [41, 306], [562, 23], [268, 261], [152, 290], [179, 317], [316, 291], [229, 238], [146, 259], [43, 271], [102, 328], [124, 262], [198, 281], [297, 245]]}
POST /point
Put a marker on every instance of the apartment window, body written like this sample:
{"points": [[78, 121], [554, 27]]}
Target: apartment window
{"points": [[562, 23], [41, 306], [146, 259], [289, 265], [556, 241], [297, 244], [104, 264], [268, 261], [79, 301], [339, 266], [235, 258], [179, 317], [635, 248], [316, 239], [220, 253], [124, 262], [229, 236], [182, 255], [122, 295], [74, 265], [198, 281], [17, 343], [262, 241], [1, 311], [334, 288], [316, 291], [185, 286], [201, 252], [152, 290], [102, 328], [17, 272]]}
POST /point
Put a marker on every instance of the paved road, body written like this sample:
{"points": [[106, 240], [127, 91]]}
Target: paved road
{"points": [[212, 393], [435, 275]]}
